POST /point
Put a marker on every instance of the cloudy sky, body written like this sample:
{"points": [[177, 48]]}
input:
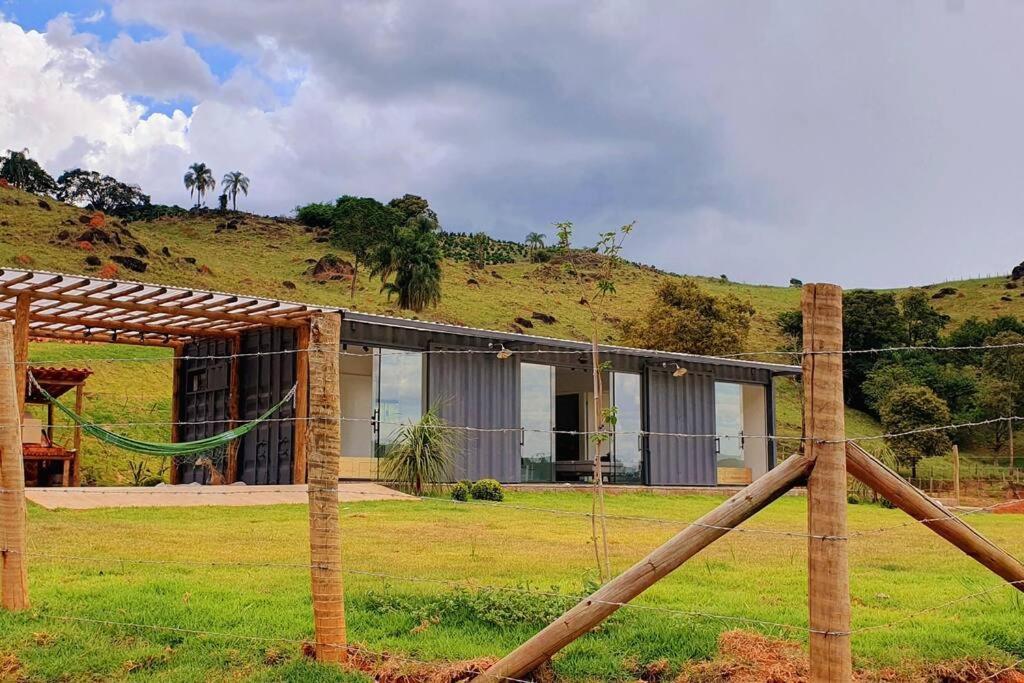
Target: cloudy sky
{"points": [[871, 144]]}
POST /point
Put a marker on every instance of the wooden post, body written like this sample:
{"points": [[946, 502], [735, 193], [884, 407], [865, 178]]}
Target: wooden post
{"points": [[922, 508], [302, 404], [231, 466], [592, 610], [76, 465], [174, 476], [956, 475], [22, 308], [13, 513], [323, 435], [824, 425]]}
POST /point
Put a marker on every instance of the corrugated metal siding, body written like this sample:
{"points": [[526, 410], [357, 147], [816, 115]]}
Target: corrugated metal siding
{"points": [[203, 398], [265, 453], [479, 390], [680, 405]]}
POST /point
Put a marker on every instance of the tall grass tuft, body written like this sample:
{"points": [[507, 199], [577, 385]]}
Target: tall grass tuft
{"points": [[421, 455]]}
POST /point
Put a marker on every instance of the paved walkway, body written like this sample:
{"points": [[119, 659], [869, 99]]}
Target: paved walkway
{"points": [[191, 495]]}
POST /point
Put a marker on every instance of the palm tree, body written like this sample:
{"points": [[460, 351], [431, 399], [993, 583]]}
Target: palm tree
{"points": [[413, 256], [232, 183], [199, 179], [535, 240]]}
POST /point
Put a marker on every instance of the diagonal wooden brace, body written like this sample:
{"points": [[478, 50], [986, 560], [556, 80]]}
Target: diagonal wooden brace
{"points": [[605, 601], [893, 487]]}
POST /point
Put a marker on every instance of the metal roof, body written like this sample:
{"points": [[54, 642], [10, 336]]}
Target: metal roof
{"points": [[64, 306]]}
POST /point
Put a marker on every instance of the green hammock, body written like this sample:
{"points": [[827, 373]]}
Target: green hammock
{"points": [[161, 449]]}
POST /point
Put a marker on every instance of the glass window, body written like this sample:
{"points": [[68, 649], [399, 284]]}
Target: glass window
{"points": [[628, 453], [399, 394], [729, 424], [536, 394]]}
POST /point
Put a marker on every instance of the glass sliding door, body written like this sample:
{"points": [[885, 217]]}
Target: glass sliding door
{"points": [[729, 424], [398, 394], [628, 465], [536, 415]]}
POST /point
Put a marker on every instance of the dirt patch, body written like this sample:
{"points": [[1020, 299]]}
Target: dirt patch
{"points": [[1015, 507], [753, 658], [385, 668], [10, 666]]}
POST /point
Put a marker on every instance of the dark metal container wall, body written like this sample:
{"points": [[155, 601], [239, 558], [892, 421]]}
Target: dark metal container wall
{"points": [[479, 390], [265, 376], [680, 405], [203, 403]]}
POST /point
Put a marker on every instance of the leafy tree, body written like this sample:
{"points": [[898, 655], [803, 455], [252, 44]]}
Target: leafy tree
{"points": [[199, 180], [316, 215], [25, 173], [100, 192], [233, 183], [909, 408], [684, 318], [535, 241], [593, 288], [922, 322], [995, 401], [413, 206], [360, 225], [883, 379], [1007, 365], [413, 256], [871, 320], [796, 282], [478, 249], [791, 325]]}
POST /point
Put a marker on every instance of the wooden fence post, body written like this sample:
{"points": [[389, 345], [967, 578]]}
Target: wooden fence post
{"points": [[22, 308], [824, 425], [13, 514], [323, 444], [956, 475]]}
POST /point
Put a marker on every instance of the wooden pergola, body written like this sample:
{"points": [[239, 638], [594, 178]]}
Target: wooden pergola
{"points": [[45, 306]]}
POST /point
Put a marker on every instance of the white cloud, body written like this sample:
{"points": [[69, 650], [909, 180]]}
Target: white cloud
{"points": [[869, 144], [94, 18]]}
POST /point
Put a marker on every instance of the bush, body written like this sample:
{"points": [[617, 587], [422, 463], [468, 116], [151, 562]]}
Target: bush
{"points": [[488, 489], [541, 256], [460, 492], [315, 215]]}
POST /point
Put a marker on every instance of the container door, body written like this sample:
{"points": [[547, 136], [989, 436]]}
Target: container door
{"points": [[204, 391], [680, 406], [265, 376]]}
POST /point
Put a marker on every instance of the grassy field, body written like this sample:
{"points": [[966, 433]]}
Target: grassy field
{"points": [[81, 566]]}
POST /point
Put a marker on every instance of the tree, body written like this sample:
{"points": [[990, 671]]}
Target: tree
{"points": [[99, 192], [883, 379], [791, 326], [995, 402], [1007, 365], [535, 241], [361, 225], [921, 322], [233, 183], [199, 180], [413, 257], [686, 319], [478, 245], [25, 173], [421, 453], [871, 320], [909, 408], [413, 206], [316, 215], [593, 288]]}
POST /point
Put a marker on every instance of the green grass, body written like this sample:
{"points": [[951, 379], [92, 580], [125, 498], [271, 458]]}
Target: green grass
{"points": [[745, 575]]}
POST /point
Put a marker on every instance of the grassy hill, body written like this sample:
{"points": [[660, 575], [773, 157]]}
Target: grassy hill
{"points": [[238, 252]]}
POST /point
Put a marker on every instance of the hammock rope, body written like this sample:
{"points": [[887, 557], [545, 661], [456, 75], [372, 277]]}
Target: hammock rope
{"points": [[162, 449]]}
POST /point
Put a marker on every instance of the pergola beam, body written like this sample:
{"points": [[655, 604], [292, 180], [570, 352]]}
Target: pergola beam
{"points": [[107, 324], [103, 338], [198, 313]]}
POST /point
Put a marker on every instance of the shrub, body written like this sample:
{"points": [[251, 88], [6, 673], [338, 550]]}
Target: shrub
{"points": [[488, 489], [460, 492], [421, 454], [540, 256], [315, 215]]}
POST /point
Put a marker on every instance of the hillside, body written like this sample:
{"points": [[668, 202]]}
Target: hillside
{"points": [[242, 253]]}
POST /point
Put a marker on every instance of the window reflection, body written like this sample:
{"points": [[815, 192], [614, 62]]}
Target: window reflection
{"points": [[729, 424], [537, 390], [628, 451], [399, 394]]}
